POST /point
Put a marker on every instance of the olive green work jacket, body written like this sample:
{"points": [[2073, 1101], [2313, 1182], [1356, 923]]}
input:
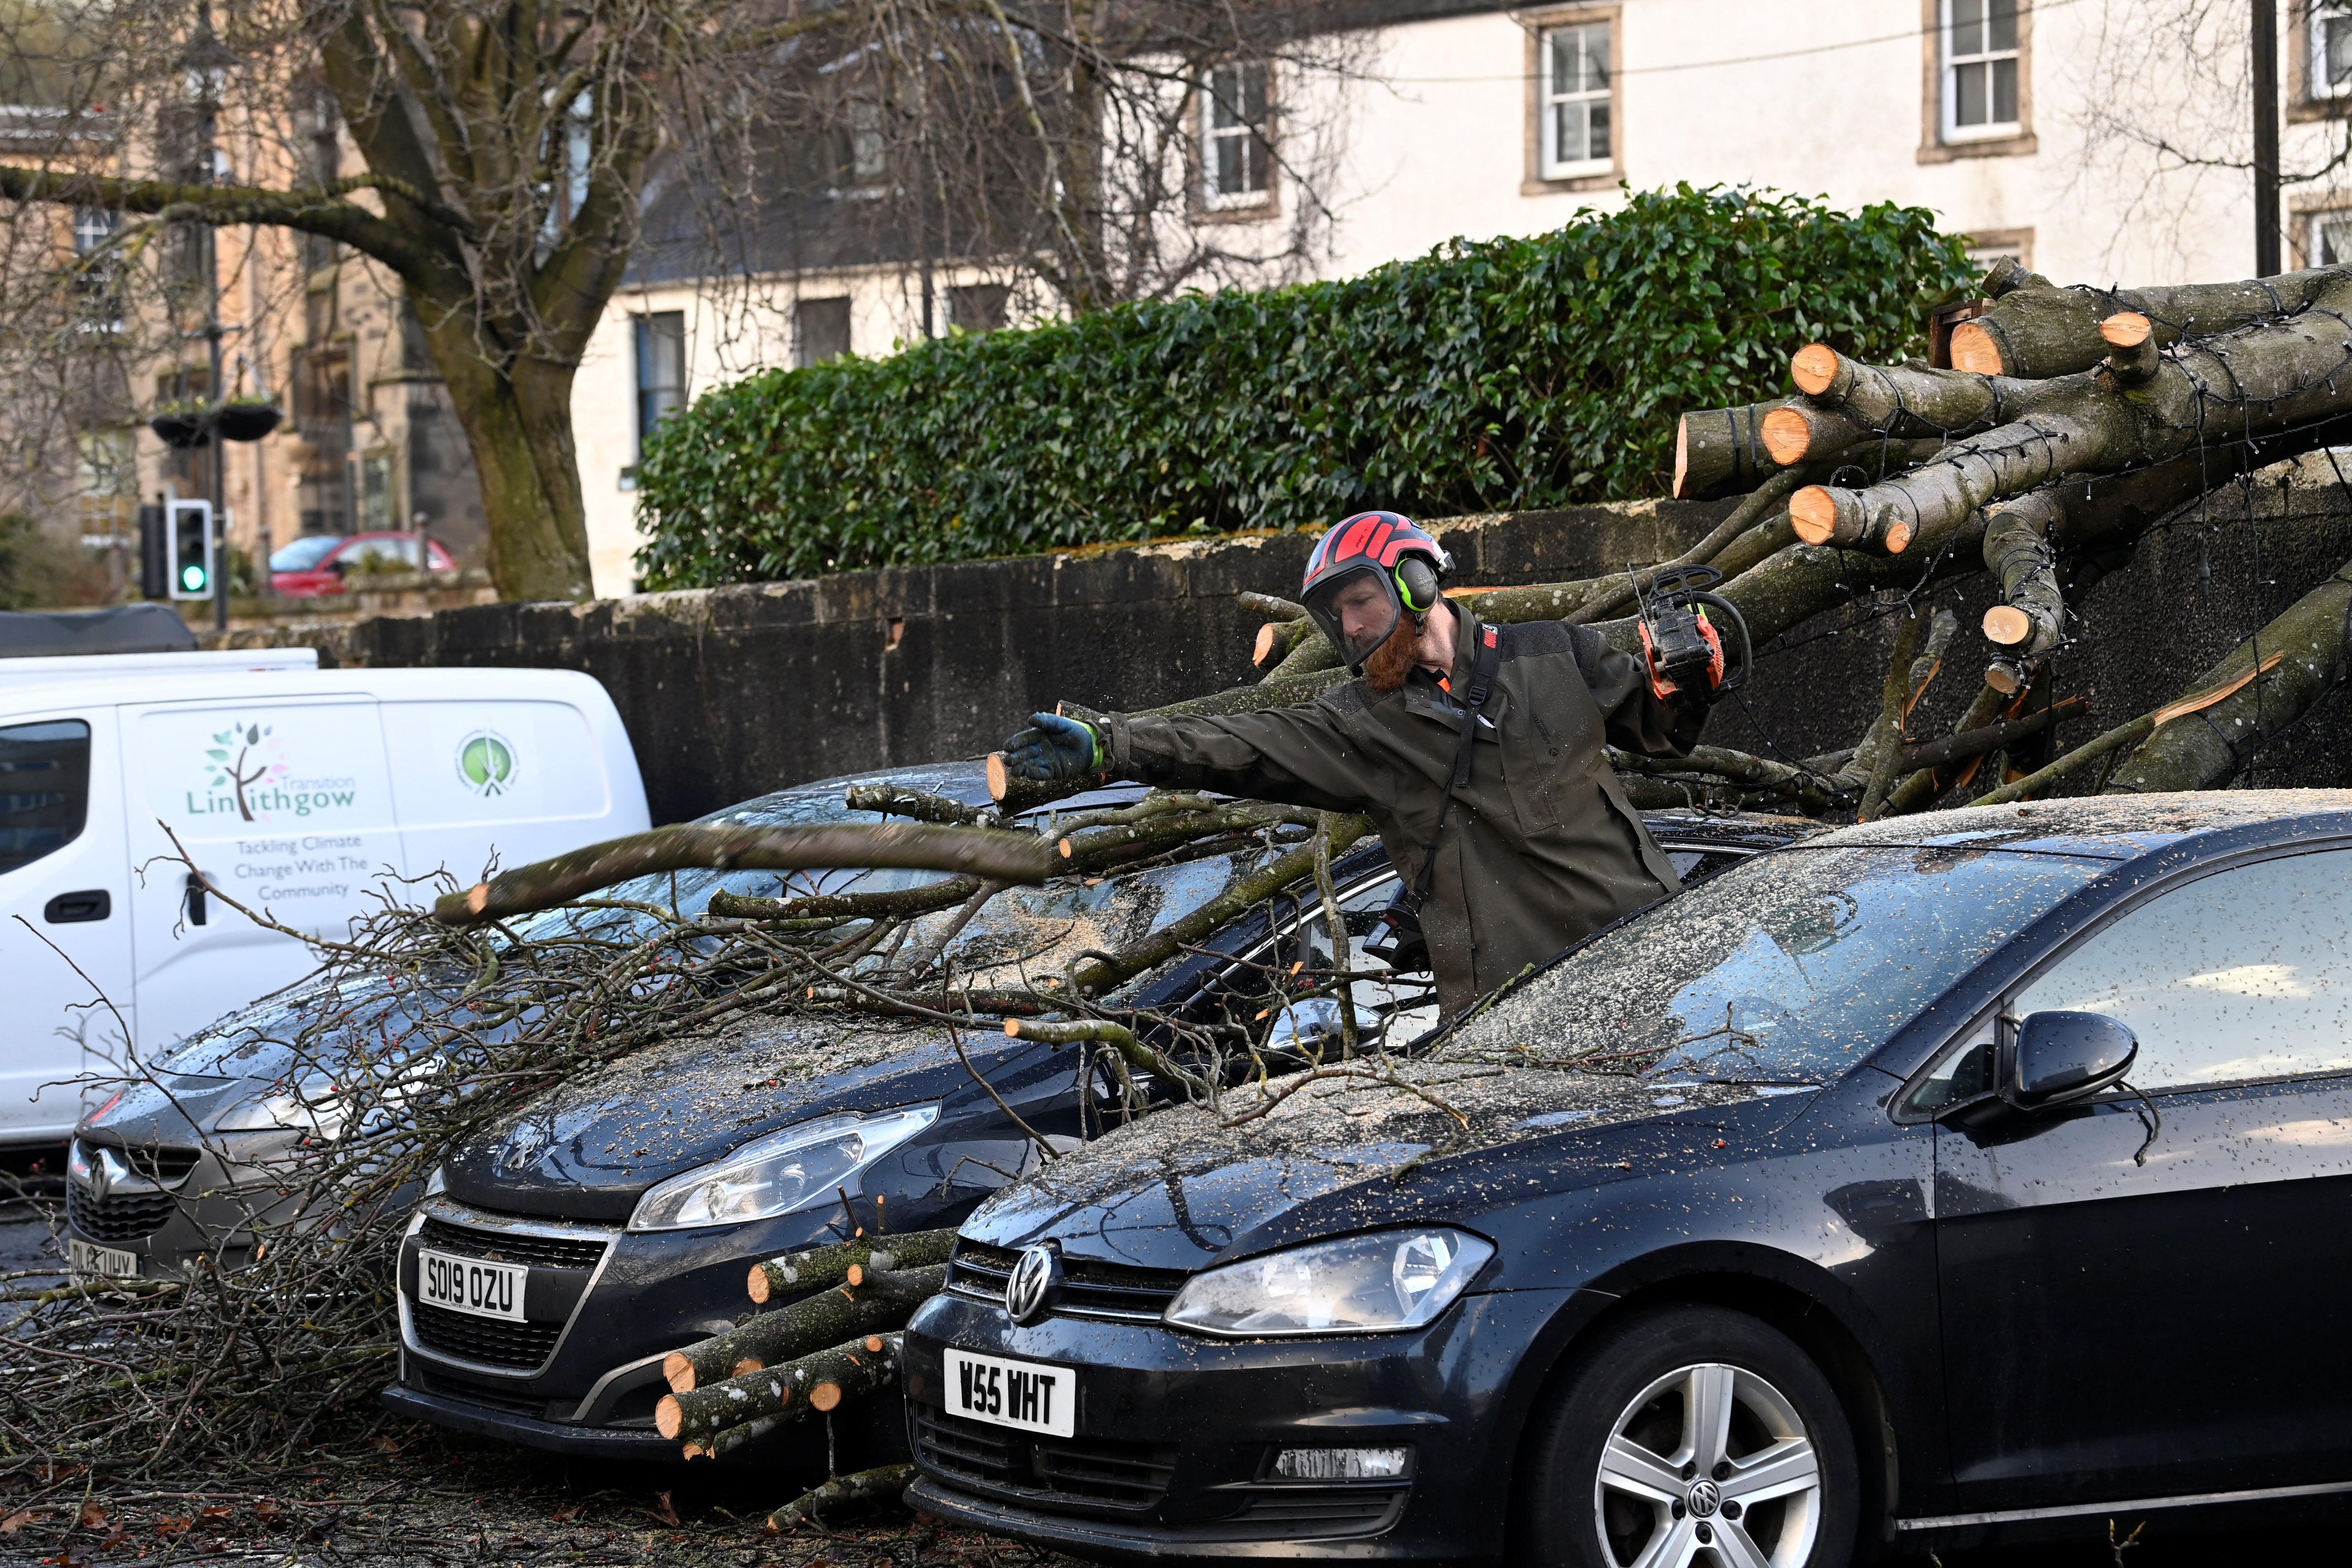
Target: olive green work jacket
{"points": [[1542, 846]]}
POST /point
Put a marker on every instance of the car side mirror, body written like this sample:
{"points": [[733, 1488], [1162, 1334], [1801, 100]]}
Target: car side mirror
{"points": [[2062, 1057]]}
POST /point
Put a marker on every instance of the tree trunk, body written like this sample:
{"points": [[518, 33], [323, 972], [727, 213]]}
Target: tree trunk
{"points": [[816, 1382], [517, 423], [2208, 750]]}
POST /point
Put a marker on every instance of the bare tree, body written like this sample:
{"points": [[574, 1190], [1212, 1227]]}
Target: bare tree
{"points": [[504, 150]]}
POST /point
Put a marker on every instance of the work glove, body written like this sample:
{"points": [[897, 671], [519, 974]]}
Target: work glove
{"points": [[1055, 749]]}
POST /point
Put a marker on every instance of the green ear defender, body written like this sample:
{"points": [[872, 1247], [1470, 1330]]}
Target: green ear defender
{"points": [[1416, 585]]}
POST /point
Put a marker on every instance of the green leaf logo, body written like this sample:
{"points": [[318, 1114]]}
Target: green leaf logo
{"points": [[486, 763]]}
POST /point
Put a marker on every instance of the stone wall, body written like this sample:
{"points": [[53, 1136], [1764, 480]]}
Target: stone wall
{"points": [[731, 692]]}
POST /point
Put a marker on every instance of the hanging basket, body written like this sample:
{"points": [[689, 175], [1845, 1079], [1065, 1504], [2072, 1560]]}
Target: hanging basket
{"points": [[245, 421], [181, 427]]}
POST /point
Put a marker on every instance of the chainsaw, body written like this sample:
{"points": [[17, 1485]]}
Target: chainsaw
{"points": [[1680, 637]]}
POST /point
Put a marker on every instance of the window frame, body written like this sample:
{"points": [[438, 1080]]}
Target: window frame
{"points": [[1995, 1009], [2303, 228], [804, 355], [1541, 177], [2307, 97], [644, 327], [1206, 201], [1941, 140], [89, 777]]}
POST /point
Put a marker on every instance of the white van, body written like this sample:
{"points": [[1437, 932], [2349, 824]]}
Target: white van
{"points": [[295, 790]]}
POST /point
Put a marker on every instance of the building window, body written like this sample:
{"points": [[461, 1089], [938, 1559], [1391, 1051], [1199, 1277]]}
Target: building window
{"points": [[2326, 55], [661, 369], [1980, 69], [860, 154], [978, 306], [1989, 246], [1236, 158], [2327, 241], [1576, 131], [820, 331]]}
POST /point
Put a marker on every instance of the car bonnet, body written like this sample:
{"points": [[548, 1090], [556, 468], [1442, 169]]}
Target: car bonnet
{"points": [[1179, 1189]]}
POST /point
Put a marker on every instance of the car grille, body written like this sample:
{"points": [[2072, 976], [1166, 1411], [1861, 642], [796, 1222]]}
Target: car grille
{"points": [[120, 1217], [166, 1167], [486, 1341], [1091, 1476], [512, 1246], [434, 1381], [1120, 1292], [1319, 1509]]}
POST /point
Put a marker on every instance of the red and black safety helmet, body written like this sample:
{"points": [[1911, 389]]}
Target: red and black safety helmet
{"points": [[1366, 573]]}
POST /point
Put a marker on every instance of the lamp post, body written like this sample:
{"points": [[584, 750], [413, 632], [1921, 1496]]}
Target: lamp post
{"points": [[207, 61]]}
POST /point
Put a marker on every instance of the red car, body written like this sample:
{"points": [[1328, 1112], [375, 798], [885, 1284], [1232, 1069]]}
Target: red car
{"points": [[318, 562]]}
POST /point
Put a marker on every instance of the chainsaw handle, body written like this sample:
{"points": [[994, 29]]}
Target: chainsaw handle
{"points": [[1732, 679]]}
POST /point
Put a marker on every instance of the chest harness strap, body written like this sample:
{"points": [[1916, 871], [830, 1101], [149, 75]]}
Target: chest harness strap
{"points": [[1403, 917]]}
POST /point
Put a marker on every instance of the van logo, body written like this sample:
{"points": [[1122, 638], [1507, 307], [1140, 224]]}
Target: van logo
{"points": [[486, 763], [240, 757]]}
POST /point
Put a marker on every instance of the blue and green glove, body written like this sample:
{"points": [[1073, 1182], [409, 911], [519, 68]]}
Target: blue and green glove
{"points": [[1053, 750]]}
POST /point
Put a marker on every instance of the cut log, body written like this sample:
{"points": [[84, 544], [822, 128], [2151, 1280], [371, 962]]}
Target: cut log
{"points": [[883, 1301], [2135, 357], [1721, 451], [2266, 394], [2041, 333], [1821, 372], [818, 1382], [1269, 637], [1823, 515], [543, 884], [882, 1484], [1795, 431], [820, 1266], [1017, 796]]}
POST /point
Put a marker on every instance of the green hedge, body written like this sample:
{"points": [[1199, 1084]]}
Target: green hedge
{"points": [[1489, 374]]}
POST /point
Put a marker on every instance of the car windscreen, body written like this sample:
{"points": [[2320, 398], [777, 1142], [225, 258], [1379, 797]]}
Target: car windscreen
{"points": [[304, 553], [1788, 969]]}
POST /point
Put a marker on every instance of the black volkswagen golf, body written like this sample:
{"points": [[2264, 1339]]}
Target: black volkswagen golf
{"points": [[1934, 1178]]}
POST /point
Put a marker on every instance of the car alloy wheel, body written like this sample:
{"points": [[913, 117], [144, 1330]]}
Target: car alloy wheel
{"points": [[1709, 1463]]}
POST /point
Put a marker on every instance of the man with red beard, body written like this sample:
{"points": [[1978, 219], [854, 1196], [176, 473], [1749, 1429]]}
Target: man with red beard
{"points": [[1510, 844]]}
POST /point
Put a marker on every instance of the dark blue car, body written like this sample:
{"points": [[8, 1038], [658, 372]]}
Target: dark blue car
{"points": [[1923, 1181]]}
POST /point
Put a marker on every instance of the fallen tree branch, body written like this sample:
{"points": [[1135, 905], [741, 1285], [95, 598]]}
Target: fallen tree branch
{"points": [[1001, 856]]}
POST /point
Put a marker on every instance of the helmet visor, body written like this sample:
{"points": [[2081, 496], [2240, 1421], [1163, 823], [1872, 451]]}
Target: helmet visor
{"points": [[1358, 610]]}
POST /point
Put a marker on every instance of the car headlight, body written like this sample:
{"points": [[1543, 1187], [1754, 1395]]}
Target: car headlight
{"points": [[315, 1106], [1386, 1280], [785, 1171]]}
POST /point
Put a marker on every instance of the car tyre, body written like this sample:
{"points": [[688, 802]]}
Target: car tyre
{"points": [[1689, 1435]]}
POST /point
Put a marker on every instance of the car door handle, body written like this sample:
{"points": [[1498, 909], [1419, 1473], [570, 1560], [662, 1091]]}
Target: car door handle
{"points": [[90, 904], [195, 897]]}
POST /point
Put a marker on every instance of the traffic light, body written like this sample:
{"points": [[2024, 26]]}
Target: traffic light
{"points": [[191, 542]]}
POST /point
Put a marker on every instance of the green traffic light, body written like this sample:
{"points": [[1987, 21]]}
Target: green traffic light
{"points": [[191, 577]]}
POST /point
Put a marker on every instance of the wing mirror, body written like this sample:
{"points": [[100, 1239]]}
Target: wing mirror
{"points": [[2062, 1057]]}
